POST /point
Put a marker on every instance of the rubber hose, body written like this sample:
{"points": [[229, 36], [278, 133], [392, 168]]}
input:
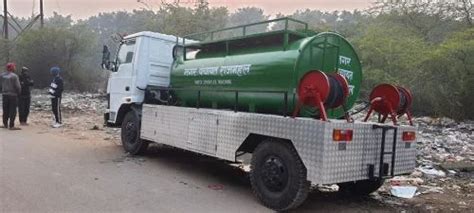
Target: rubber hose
{"points": [[403, 101], [336, 92]]}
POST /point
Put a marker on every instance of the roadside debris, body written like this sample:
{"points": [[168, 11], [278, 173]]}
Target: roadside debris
{"points": [[431, 172], [328, 188], [403, 191], [95, 127], [445, 166], [403, 181], [75, 102], [216, 187]]}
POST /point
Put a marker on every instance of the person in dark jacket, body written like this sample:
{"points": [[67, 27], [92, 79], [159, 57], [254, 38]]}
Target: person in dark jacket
{"points": [[25, 97], [55, 91], [11, 89]]}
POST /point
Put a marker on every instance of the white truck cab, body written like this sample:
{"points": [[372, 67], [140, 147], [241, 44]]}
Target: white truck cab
{"points": [[143, 59]]}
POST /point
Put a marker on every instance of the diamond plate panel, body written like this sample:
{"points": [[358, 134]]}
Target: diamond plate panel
{"points": [[325, 162], [202, 134]]}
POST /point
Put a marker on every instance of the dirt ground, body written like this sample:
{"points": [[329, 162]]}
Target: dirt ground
{"points": [[191, 175]]}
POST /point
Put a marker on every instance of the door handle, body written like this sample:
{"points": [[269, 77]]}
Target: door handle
{"points": [[127, 88]]}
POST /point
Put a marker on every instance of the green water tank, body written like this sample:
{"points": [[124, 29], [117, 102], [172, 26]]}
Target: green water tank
{"points": [[260, 72]]}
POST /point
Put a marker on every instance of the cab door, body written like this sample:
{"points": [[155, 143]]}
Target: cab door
{"points": [[120, 85]]}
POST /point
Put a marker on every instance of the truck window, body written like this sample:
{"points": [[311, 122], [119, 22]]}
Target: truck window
{"points": [[190, 52], [126, 52]]}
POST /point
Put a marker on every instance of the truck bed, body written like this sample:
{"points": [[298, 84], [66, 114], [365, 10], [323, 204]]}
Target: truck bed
{"points": [[220, 133]]}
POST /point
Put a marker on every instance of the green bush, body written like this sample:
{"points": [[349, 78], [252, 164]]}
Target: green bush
{"points": [[73, 49]]}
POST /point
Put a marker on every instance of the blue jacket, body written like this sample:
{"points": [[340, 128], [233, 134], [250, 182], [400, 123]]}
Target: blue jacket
{"points": [[56, 87]]}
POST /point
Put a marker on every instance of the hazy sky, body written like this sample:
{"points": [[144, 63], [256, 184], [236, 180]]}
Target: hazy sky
{"points": [[85, 8]]}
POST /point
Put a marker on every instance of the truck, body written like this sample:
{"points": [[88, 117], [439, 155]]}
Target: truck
{"points": [[282, 96]]}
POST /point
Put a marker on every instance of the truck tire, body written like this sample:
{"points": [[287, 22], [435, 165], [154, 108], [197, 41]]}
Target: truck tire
{"points": [[360, 188], [131, 134], [278, 176]]}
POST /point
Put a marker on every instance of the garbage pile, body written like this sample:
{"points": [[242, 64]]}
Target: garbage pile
{"points": [[445, 162], [445, 143], [71, 102]]}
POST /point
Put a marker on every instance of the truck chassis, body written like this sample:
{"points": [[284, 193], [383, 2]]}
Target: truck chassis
{"points": [[289, 154]]}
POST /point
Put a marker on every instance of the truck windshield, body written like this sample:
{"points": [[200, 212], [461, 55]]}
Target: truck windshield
{"points": [[126, 52]]}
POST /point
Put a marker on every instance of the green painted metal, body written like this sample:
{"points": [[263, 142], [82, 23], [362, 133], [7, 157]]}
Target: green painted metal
{"points": [[257, 71]]}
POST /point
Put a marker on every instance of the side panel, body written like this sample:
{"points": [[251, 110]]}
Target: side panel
{"points": [[171, 126], [326, 161], [202, 134], [353, 162]]}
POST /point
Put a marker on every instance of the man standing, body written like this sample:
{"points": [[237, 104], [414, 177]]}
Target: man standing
{"points": [[56, 91], [10, 91], [25, 96]]}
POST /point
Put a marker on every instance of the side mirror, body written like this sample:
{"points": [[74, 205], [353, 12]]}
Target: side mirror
{"points": [[113, 66], [106, 58]]}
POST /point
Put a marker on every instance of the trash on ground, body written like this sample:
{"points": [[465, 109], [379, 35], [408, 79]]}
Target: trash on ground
{"points": [[432, 172], [403, 191]]}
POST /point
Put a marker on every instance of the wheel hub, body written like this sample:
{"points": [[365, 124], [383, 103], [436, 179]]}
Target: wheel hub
{"points": [[274, 174]]}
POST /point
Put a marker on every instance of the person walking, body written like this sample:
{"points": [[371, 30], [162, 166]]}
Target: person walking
{"points": [[24, 101], [11, 89], [55, 91]]}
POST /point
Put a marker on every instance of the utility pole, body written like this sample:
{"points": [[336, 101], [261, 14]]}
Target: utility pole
{"points": [[5, 30], [41, 14], [6, 33], [5, 19]]}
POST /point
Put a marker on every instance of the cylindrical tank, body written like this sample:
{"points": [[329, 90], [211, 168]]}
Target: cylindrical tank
{"points": [[262, 69]]}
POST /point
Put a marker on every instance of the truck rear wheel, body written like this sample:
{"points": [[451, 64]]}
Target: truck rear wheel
{"points": [[361, 187], [278, 176], [131, 134]]}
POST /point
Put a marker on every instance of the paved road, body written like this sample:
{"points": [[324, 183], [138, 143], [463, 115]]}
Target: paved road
{"points": [[45, 171]]}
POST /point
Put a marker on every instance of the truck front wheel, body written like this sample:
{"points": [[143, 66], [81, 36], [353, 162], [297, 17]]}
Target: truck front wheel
{"points": [[278, 176], [131, 134]]}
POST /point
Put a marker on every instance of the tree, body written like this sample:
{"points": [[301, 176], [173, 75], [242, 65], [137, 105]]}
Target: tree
{"points": [[248, 15], [392, 54], [71, 49], [449, 76], [180, 21], [59, 21], [465, 10], [433, 20]]}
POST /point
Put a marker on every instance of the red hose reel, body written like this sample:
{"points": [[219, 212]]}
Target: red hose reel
{"points": [[320, 90], [387, 99]]}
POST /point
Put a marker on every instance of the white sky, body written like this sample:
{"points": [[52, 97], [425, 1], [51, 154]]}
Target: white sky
{"points": [[84, 8]]}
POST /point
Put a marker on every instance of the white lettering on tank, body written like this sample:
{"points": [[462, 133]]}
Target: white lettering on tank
{"points": [[208, 71], [229, 70], [190, 72], [345, 60], [213, 82], [237, 70], [346, 73], [351, 89]]}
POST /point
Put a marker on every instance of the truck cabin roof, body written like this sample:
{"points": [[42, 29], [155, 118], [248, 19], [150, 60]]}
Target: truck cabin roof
{"points": [[153, 35]]}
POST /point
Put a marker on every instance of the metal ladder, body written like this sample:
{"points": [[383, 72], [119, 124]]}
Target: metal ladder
{"points": [[383, 167]]}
